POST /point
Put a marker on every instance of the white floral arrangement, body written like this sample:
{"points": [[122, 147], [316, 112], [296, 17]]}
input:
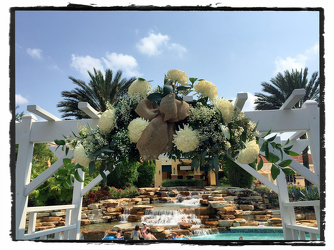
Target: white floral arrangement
{"points": [[153, 121]]}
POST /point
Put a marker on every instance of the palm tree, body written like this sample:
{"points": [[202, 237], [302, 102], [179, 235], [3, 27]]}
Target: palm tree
{"points": [[97, 92], [281, 88]]}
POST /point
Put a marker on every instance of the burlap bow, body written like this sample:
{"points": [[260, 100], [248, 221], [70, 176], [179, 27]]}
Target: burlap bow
{"points": [[157, 138]]}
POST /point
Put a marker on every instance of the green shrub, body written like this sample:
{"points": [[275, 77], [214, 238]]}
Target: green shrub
{"points": [[123, 175], [127, 192], [146, 173], [181, 182], [237, 176]]}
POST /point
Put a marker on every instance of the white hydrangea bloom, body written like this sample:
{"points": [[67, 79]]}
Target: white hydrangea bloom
{"points": [[186, 139], [177, 75], [250, 153], [107, 120], [226, 108], [206, 88], [136, 128], [80, 156], [139, 89]]}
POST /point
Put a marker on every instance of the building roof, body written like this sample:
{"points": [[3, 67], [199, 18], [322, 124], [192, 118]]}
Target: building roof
{"points": [[298, 158]]}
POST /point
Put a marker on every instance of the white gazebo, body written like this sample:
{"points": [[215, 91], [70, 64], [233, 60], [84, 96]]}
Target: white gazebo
{"points": [[30, 131]]}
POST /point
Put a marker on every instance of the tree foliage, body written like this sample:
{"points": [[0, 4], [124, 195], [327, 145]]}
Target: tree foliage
{"points": [[100, 90], [281, 87], [146, 173]]}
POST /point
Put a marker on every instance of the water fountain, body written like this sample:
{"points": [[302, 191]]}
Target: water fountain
{"points": [[123, 218]]}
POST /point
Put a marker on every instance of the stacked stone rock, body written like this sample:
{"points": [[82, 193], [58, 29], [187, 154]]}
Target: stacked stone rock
{"points": [[221, 208]]}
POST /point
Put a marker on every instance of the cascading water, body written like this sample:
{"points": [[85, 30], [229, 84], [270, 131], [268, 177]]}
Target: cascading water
{"points": [[123, 218], [170, 217]]}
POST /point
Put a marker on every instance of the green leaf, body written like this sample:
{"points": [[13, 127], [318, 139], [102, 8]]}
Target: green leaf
{"points": [[141, 79], [183, 88], [155, 97], [284, 163], [194, 163], [91, 167], [291, 153], [274, 171], [226, 131], [77, 176], [204, 154], [288, 148], [287, 142], [264, 146], [67, 161], [104, 177], [288, 171], [66, 151], [167, 89], [192, 80], [272, 138], [272, 158], [66, 185], [260, 164], [268, 133], [59, 142], [244, 136]]}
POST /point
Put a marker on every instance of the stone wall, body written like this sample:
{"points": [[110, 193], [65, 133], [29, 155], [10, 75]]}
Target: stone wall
{"points": [[221, 208]]}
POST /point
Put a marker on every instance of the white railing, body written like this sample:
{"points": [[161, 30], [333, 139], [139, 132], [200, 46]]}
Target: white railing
{"points": [[301, 230]]}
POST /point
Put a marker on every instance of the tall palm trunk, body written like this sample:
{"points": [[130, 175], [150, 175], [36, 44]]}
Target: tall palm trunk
{"points": [[306, 162]]}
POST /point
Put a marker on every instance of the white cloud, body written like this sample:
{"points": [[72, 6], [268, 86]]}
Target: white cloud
{"points": [[35, 53], [179, 49], [154, 44], [128, 64], [20, 99], [87, 63], [296, 62], [150, 45]]}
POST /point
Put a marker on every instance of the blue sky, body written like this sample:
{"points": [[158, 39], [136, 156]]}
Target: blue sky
{"points": [[236, 50]]}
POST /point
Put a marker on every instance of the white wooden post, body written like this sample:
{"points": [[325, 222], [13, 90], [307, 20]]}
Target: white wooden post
{"points": [[313, 134], [22, 174], [74, 234]]}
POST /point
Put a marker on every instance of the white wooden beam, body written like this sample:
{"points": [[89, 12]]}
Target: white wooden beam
{"points": [[49, 131], [93, 183], [279, 120], [23, 173], [298, 145], [75, 217], [313, 133], [35, 183], [85, 107], [50, 208], [240, 101], [295, 96], [297, 135], [258, 176], [42, 113]]}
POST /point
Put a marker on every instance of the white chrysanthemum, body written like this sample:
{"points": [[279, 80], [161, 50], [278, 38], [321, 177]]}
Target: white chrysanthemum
{"points": [[206, 88], [186, 139], [136, 128], [107, 120], [226, 108], [139, 88], [177, 75], [80, 156], [250, 153]]}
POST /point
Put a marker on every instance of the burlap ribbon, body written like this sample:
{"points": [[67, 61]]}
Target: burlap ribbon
{"points": [[157, 138]]}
